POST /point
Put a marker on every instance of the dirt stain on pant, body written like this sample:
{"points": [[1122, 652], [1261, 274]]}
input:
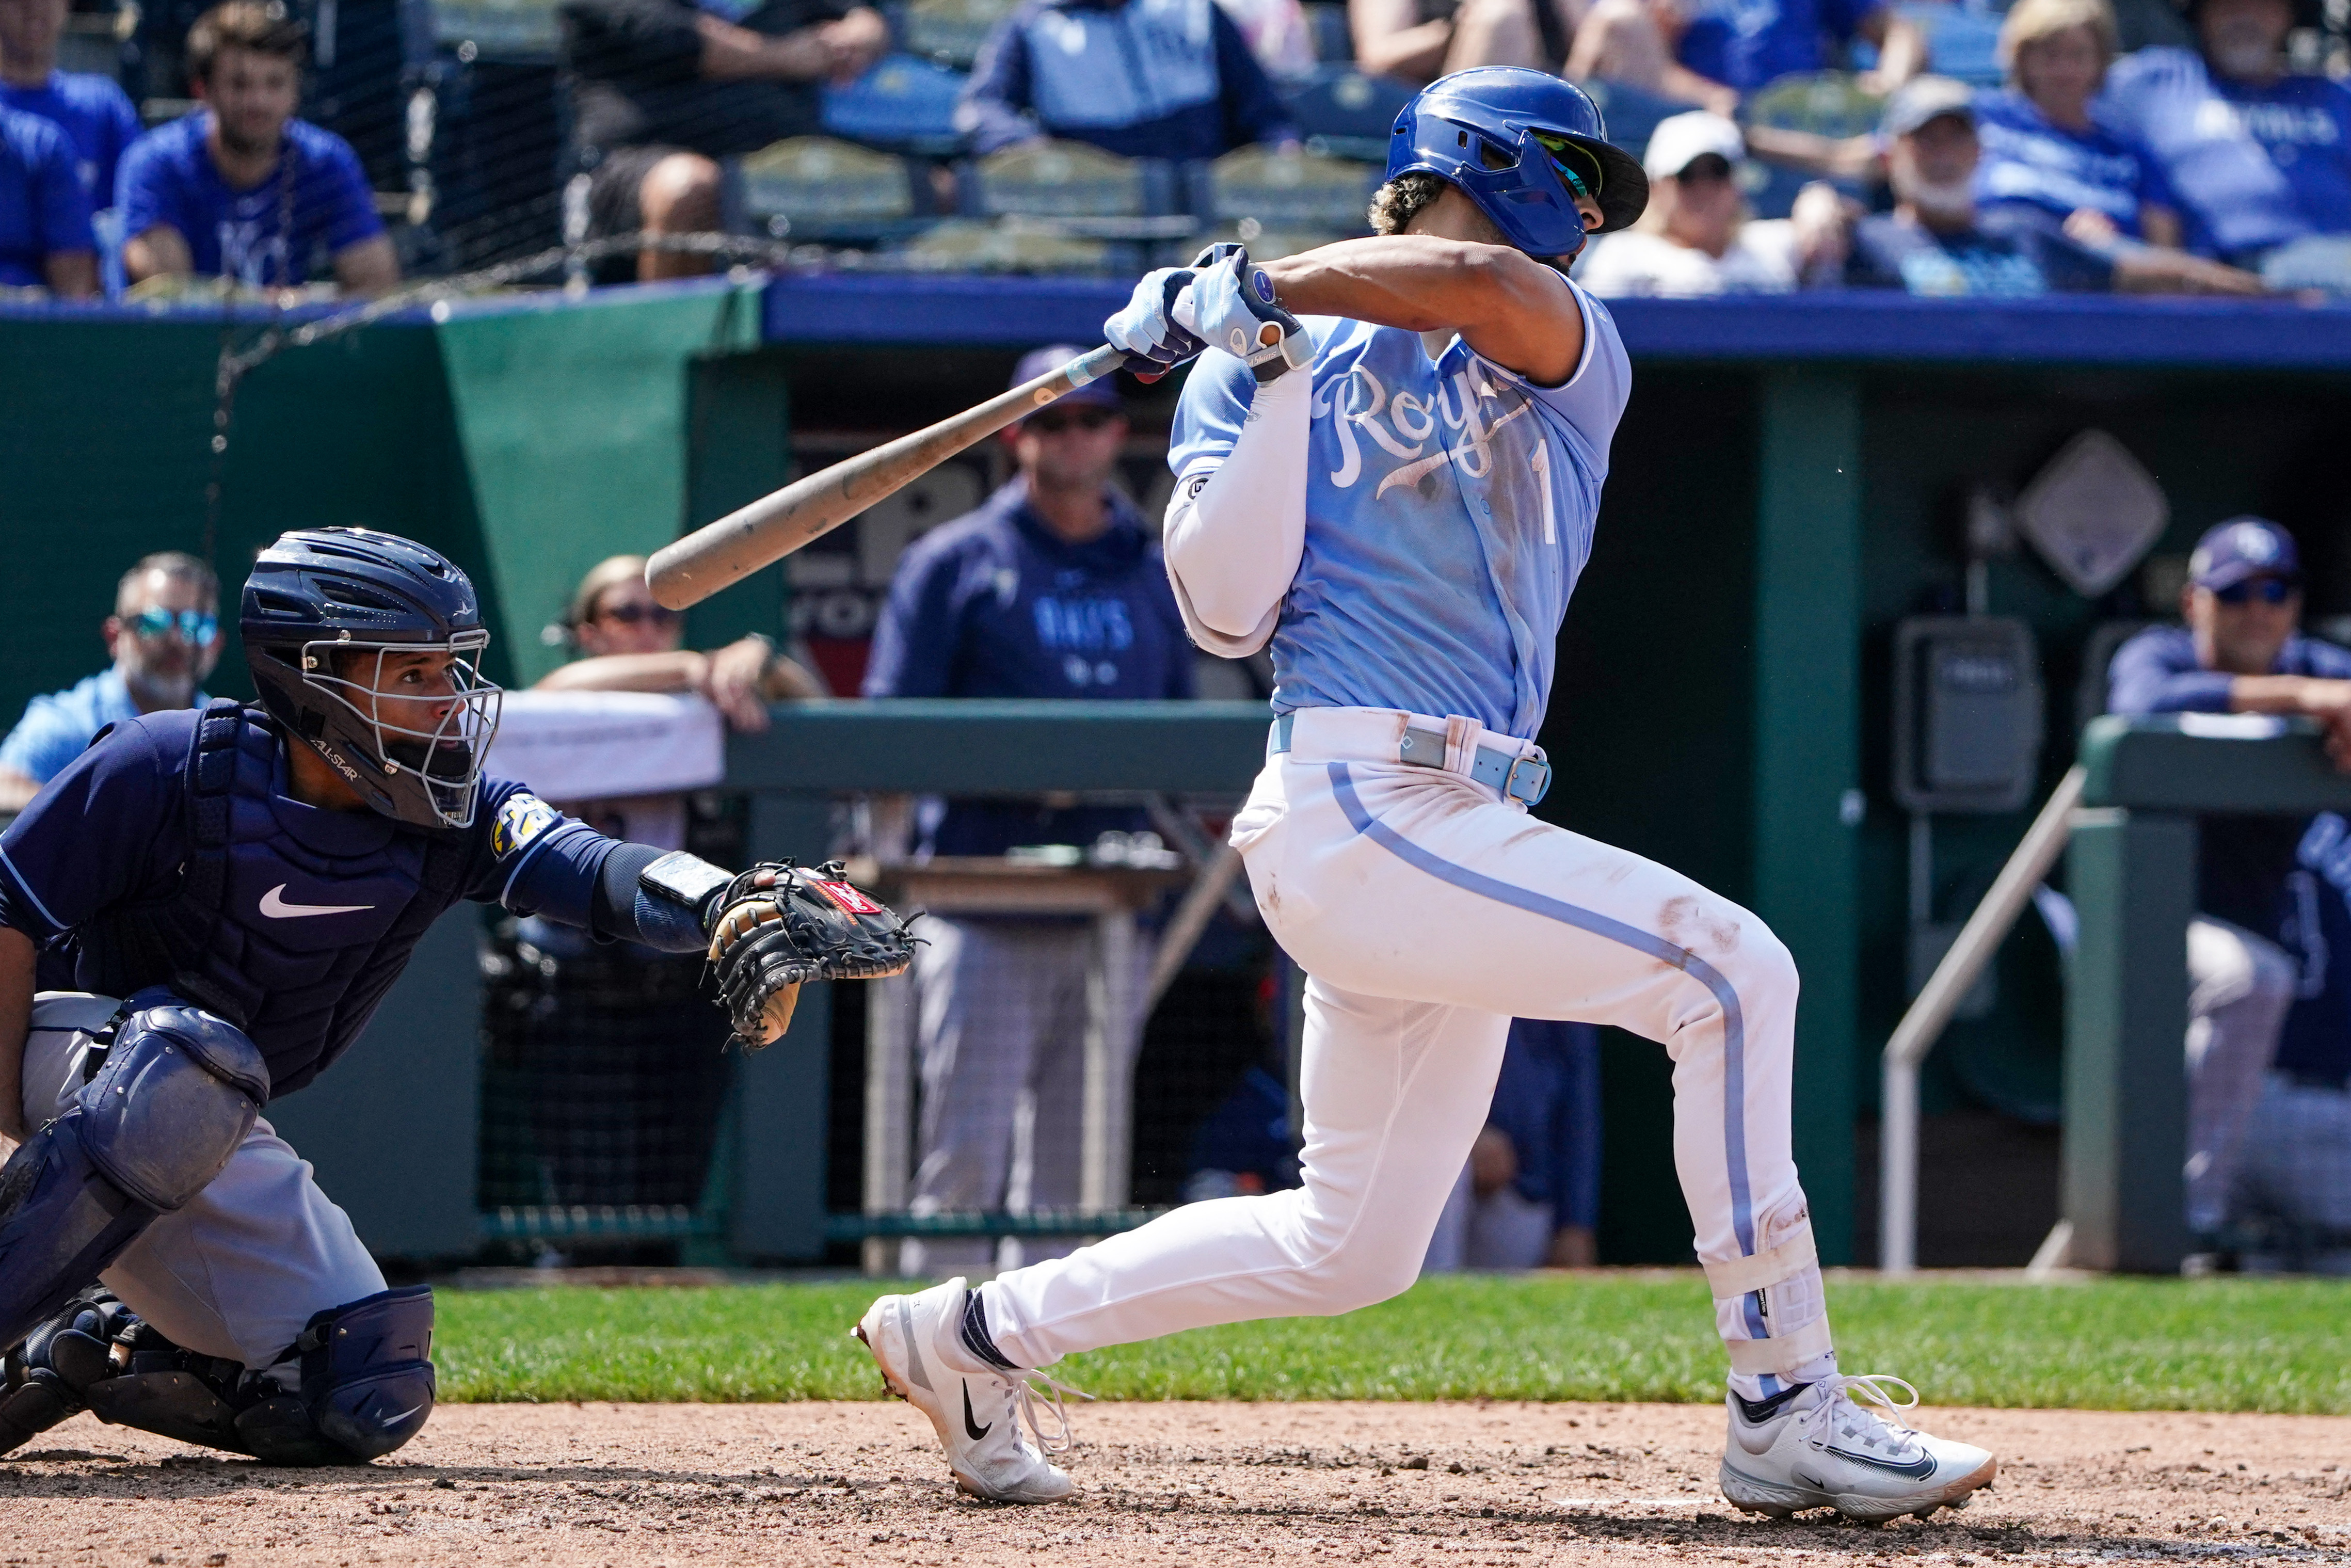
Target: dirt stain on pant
{"points": [[1686, 922]]}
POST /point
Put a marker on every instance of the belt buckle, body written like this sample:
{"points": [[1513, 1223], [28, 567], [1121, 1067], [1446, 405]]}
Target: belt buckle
{"points": [[1539, 785]]}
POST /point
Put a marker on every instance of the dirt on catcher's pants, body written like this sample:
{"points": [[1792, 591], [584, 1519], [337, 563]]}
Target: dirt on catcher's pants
{"points": [[1220, 1485]]}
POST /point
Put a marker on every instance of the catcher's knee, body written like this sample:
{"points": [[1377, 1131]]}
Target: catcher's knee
{"points": [[367, 1384]]}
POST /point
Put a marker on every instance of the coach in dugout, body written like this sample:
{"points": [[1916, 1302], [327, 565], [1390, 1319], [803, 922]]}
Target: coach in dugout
{"points": [[164, 635], [240, 189], [2258, 156], [661, 89], [2239, 652], [1051, 588]]}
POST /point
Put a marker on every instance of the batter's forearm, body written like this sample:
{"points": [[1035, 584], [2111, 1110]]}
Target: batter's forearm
{"points": [[17, 959], [1418, 282]]}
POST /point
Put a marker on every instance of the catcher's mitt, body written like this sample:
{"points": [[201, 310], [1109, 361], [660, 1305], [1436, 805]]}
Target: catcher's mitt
{"points": [[778, 926]]}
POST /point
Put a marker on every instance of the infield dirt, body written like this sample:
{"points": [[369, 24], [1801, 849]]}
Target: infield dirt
{"points": [[638, 1485]]}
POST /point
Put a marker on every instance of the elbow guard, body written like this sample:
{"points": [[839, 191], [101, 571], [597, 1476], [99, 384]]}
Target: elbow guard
{"points": [[660, 898]]}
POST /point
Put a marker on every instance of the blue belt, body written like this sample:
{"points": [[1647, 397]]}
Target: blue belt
{"points": [[1526, 779]]}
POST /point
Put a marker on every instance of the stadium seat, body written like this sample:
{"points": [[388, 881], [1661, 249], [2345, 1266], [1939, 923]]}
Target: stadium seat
{"points": [[1631, 113], [1342, 113], [968, 245], [1962, 40], [1281, 203], [821, 190], [1827, 103], [949, 32], [906, 102], [498, 29]]}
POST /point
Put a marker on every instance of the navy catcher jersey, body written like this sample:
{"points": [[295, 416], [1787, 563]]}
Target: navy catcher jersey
{"points": [[316, 911]]}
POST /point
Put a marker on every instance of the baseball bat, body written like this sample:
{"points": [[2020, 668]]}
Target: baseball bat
{"points": [[689, 570]]}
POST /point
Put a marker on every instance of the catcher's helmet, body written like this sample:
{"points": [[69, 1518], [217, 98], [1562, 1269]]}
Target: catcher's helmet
{"points": [[319, 603], [1513, 140]]}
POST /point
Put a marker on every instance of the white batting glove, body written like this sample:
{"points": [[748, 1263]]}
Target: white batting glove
{"points": [[1231, 306], [1147, 329]]}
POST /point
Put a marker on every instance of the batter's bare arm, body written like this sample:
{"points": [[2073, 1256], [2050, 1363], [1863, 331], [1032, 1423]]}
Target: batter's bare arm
{"points": [[1513, 309]]}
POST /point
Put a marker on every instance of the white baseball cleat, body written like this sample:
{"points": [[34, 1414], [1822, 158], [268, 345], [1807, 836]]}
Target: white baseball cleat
{"points": [[977, 1416], [1837, 1452]]}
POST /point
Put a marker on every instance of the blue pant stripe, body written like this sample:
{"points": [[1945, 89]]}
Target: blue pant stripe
{"points": [[1734, 1034]]}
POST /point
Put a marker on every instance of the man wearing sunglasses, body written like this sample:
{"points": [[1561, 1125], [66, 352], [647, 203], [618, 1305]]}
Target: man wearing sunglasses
{"points": [[164, 635], [1389, 462], [1052, 588], [2240, 650]]}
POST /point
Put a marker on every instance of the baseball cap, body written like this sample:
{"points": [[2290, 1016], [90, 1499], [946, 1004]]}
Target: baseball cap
{"points": [[1681, 139], [1923, 99], [1036, 362], [2244, 547]]}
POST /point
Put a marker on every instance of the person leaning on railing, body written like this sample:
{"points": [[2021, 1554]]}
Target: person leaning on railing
{"points": [[2240, 652]]}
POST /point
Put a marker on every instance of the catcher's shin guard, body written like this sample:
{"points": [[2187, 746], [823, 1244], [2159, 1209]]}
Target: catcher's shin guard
{"points": [[178, 1093]]}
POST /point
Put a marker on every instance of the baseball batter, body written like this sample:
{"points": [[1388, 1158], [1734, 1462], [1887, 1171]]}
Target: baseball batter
{"points": [[200, 913], [1389, 465]]}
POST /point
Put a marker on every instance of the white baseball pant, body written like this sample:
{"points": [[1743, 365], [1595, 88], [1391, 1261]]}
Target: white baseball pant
{"points": [[1428, 912], [2240, 989], [241, 1268]]}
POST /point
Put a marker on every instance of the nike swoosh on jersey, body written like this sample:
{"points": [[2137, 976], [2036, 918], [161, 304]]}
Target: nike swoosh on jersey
{"points": [[973, 1427], [1917, 1469], [273, 904]]}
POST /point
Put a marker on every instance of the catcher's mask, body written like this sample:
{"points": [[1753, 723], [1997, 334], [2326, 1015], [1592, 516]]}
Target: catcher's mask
{"points": [[369, 647]]}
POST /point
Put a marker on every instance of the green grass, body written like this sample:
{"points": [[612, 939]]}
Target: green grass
{"points": [[2124, 1344]]}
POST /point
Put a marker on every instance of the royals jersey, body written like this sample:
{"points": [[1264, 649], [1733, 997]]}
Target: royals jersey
{"points": [[1449, 509]]}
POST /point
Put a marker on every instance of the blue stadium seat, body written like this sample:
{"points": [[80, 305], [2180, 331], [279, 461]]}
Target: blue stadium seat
{"points": [[1342, 113], [1631, 113], [906, 102], [1962, 39]]}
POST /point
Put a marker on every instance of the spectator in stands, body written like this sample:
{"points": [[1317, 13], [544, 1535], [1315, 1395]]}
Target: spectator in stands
{"points": [[661, 90], [1277, 32], [1721, 54], [1053, 588], [1936, 242], [2045, 157], [1529, 1196], [2258, 157], [2240, 652], [164, 637], [93, 111], [630, 643], [1695, 238], [241, 190], [1143, 79], [45, 235]]}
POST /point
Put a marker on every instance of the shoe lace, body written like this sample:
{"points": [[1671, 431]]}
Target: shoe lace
{"points": [[1843, 1397], [1027, 1402]]}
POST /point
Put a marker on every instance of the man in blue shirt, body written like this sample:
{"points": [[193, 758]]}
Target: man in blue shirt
{"points": [[241, 189], [1051, 588], [2238, 652], [1143, 79], [164, 636], [93, 111], [45, 233], [2259, 157]]}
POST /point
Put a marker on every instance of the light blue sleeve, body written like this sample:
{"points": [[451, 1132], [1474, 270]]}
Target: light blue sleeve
{"points": [[1209, 415], [45, 740], [1591, 399]]}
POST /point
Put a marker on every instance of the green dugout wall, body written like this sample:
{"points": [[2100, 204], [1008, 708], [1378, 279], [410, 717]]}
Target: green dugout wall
{"points": [[1788, 483]]}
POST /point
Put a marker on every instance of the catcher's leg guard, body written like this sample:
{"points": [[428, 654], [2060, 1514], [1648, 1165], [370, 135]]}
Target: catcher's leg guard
{"points": [[178, 1093], [367, 1384], [47, 1377]]}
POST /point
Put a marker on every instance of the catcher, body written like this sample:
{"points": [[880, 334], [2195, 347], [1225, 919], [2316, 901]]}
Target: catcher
{"points": [[202, 913]]}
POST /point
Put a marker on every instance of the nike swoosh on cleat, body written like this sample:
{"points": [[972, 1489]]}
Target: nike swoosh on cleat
{"points": [[1917, 1469], [273, 904], [973, 1428]]}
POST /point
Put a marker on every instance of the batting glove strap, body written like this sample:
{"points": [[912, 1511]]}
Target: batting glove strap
{"points": [[1230, 304]]}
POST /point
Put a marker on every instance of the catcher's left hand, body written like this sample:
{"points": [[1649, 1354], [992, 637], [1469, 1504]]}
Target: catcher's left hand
{"points": [[778, 926]]}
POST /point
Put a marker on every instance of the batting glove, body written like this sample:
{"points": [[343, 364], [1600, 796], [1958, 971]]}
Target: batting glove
{"points": [[1147, 329], [1231, 306]]}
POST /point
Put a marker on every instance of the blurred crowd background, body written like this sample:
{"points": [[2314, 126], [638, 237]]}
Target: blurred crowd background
{"points": [[1943, 147]]}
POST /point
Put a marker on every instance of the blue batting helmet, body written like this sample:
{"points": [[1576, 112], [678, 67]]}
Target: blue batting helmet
{"points": [[1520, 143]]}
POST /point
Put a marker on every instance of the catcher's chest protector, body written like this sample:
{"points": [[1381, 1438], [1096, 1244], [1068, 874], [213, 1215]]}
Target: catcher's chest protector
{"points": [[289, 921]]}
